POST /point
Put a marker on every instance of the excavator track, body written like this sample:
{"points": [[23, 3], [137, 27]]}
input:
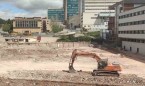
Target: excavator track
{"points": [[104, 73]]}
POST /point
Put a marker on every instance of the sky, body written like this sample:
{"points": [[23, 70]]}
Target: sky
{"points": [[27, 8]]}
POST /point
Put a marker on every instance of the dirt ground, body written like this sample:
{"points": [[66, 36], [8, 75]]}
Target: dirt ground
{"points": [[34, 65]]}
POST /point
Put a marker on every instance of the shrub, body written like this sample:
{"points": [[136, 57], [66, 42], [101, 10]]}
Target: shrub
{"points": [[56, 28], [71, 38], [95, 34]]}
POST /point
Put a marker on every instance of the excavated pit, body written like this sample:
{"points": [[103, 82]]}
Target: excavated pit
{"points": [[32, 65]]}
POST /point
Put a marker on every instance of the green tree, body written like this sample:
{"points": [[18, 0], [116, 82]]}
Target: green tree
{"points": [[10, 22], [6, 28], [1, 22], [71, 38], [64, 39], [95, 34], [56, 28], [7, 25]]}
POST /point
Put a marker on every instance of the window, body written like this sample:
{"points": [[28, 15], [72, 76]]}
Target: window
{"points": [[127, 15], [142, 12], [131, 23], [134, 14], [142, 22], [131, 15], [142, 31], [130, 48], [137, 50], [143, 41], [138, 13]]}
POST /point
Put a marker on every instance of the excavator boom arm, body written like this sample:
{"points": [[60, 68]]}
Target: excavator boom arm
{"points": [[76, 53]]}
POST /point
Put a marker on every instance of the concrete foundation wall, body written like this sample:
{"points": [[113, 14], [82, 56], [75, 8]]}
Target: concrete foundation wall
{"points": [[33, 30]]}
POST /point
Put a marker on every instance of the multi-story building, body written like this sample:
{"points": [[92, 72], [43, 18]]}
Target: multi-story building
{"points": [[46, 26], [95, 14], [72, 13], [129, 23], [56, 14], [120, 7], [71, 8], [27, 25], [131, 30]]}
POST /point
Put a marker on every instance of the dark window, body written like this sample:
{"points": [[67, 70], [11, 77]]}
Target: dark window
{"points": [[127, 15], [134, 14], [124, 48], [143, 41], [138, 13], [142, 12], [130, 48], [131, 15], [137, 50]]}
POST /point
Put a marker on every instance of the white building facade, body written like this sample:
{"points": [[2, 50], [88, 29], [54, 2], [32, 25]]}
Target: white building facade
{"points": [[95, 14], [131, 30]]}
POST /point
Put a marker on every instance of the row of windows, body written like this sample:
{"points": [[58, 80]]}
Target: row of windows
{"points": [[95, 9], [97, 5], [132, 14], [95, 25], [132, 23], [98, 2], [26, 24], [132, 32], [134, 40]]}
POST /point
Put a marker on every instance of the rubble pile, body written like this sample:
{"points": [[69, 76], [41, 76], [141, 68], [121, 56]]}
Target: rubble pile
{"points": [[79, 77]]}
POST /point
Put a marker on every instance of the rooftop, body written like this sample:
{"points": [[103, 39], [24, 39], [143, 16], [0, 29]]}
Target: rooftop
{"points": [[128, 2], [28, 18]]}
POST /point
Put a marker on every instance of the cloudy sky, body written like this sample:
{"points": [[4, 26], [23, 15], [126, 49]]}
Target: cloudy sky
{"points": [[27, 8]]}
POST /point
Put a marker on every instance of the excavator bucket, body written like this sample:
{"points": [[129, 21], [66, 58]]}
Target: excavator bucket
{"points": [[71, 69]]}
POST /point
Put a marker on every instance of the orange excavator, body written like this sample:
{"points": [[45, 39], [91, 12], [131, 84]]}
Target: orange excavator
{"points": [[104, 68]]}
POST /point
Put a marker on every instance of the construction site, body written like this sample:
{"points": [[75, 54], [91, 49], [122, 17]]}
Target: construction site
{"points": [[49, 64]]}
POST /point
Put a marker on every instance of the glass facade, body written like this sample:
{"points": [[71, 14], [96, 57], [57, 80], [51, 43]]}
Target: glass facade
{"points": [[72, 7], [56, 14]]}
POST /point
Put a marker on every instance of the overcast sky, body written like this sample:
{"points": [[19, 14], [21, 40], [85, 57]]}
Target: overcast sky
{"points": [[27, 8]]}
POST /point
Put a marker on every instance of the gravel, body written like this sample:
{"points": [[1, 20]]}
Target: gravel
{"points": [[79, 77]]}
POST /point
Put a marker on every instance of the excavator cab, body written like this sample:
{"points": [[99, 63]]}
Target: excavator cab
{"points": [[102, 63]]}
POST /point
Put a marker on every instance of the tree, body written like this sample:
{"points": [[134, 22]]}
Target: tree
{"points": [[95, 34], [7, 25], [54, 25], [10, 22], [71, 38], [6, 28], [1, 22], [56, 28]]}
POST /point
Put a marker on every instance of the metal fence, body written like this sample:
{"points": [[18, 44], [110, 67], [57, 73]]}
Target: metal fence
{"points": [[55, 44]]}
